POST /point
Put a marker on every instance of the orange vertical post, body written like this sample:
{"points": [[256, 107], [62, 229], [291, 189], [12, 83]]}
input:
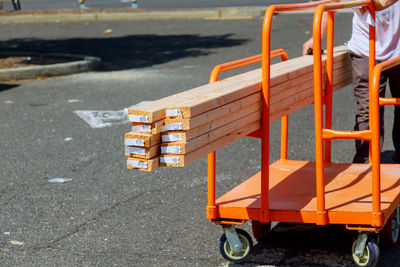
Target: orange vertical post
{"points": [[284, 126], [284, 136], [371, 58], [211, 209], [319, 150], [211, 162], [374, 123], [329, 82], [375, 146], [266, 48]]}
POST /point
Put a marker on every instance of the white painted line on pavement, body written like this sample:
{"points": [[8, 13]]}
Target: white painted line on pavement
{"points": [[74, 100], [104, 118]]}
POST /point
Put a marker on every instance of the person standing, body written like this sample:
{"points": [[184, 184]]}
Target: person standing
{"points": [[387, 27]]}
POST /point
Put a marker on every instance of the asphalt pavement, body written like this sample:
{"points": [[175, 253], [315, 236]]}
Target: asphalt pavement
{"points": [[73, 127]]}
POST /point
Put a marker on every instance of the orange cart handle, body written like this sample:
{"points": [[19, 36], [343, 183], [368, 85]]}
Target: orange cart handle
{"points": [[243, 62]]}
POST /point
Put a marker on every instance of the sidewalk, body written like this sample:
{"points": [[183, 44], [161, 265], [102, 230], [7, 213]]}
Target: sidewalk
{"points": [[103, 14]]}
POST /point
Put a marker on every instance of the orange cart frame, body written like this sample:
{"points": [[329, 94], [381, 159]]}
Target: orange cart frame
{"points": [[363, 197]]}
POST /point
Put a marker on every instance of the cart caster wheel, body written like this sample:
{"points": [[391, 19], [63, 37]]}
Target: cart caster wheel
{"points": [[370, 256], [260, 230], [390, 233], [236, 256]]}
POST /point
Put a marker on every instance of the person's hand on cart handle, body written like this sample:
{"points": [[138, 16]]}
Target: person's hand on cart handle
{"points": [[307, 47]]}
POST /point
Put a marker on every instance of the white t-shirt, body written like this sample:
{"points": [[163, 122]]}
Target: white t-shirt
{"points": [[387, 44]]}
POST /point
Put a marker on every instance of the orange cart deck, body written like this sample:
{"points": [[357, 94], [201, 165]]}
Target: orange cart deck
{"points": [[348, 190]]}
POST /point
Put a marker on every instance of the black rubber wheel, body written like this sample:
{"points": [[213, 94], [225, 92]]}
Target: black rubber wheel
{"points": [[16, 4], [260, 230], [390, 233], [370, 256], [236, 256]]}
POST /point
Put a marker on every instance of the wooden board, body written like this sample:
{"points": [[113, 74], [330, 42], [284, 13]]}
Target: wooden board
{"points": [[304, 98], [143, 164], [301, 83], [183, 136], [180, 123], [155, 110], [141, 139], [203, 140], [282, 104], [245, 84], [283, 71], [142, 152], [342, 61], [184, 160]]}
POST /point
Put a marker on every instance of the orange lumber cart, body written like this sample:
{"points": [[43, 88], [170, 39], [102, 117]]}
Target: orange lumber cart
{"points": [[363, 197]]}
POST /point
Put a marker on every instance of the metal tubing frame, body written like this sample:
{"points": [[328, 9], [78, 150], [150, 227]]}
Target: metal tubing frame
{"points": [[329, 82], [375, 101], [266, 48], [322, 134], [211, 157]]}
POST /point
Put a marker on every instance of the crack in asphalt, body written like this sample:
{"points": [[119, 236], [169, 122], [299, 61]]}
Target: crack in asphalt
{"points": [[99, 215], [193, 183]]}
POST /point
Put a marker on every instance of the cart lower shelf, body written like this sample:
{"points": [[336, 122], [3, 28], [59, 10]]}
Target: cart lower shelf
{"points": [[348, 193]]}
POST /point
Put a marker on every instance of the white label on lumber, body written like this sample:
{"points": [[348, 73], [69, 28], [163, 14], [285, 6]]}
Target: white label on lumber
{"points": [[137, 164], [172, 127], [134, 142], [138, 118], [170, 149], [169, 160], [173, 113], [171, 137], [135, 150], [142, 128]]}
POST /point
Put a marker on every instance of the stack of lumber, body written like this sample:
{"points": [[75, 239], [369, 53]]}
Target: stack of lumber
{"points": [[208, 131], [179, 129], [142, 145]]}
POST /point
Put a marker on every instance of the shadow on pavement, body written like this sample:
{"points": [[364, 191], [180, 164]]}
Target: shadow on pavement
{"points": [[304, 249], [386, 156], [297, 247], [5, 87], [127, 52]]}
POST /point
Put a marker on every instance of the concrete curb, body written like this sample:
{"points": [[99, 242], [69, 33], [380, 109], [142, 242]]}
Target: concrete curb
{"points": [[134, 14], [83, 64], [66, 15]]}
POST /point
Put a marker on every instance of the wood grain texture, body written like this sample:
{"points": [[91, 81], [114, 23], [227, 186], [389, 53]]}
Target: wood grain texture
{"points": [[209, 137], [142, 139], [281, 73], [183, 136], [179, 123], [184, 160], [142, 152], [209, 117], [143, 164]]}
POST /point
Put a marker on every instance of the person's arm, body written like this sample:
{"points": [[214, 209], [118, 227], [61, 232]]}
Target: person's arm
{"points": [[382, 4], [324, 25]]}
